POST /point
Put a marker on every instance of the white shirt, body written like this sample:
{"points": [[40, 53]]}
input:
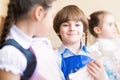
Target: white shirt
{"points": [[105, 51], [11, 59], [101, 46]]}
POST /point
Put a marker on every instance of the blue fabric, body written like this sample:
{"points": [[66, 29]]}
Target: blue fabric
{"points": [[66, 52], [112, 74], [72, 62]]}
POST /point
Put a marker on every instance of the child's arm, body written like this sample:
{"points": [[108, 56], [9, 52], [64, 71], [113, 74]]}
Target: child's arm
{"points": [[8, 76], [97, 71]]}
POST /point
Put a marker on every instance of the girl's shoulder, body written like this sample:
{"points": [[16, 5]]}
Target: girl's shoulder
{"points": [[11, 59]]}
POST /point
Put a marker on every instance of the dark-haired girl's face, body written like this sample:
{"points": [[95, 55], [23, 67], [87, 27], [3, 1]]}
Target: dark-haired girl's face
{"points": [[47, 20]]}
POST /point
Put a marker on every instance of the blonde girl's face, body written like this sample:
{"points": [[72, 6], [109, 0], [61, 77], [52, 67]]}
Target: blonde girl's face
{"points": [[47, 21], [108, 29], [71, 32]]}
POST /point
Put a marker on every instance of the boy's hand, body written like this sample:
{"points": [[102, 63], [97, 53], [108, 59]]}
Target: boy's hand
{"points": [[96, 70]]}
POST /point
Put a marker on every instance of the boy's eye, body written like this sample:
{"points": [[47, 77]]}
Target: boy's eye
{"points": [[77, 25], [65, 24]]}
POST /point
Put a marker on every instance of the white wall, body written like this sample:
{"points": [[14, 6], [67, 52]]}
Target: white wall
{"points": [[89, 6]]}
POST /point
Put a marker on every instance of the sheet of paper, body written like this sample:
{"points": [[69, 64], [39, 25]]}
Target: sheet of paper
{"points": [[81, 74]]}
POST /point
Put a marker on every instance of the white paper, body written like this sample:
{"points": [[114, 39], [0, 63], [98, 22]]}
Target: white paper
{"points": [[81, 74]]}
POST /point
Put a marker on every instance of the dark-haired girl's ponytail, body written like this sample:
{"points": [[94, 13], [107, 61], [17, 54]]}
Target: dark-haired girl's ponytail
{"points": [[9, 21]]}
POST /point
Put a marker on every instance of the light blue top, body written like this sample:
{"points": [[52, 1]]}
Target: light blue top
{"points": [[71, 62], [82, 51]]}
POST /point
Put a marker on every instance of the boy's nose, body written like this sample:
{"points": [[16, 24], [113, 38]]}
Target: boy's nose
{"points": [[72, 27]]}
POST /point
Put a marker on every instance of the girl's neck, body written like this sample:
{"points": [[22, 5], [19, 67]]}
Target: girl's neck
{"points": [[27, 27]]}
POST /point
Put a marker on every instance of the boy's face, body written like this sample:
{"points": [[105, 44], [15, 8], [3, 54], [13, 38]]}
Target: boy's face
{"points": [[71, 32], [107, 27]]}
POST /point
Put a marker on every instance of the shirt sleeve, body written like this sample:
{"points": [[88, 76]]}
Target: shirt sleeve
{"points": [[12, 60], [94, 51]]}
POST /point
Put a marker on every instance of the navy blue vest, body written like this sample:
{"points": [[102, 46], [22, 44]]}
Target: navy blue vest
{"points": [[31, 59]]}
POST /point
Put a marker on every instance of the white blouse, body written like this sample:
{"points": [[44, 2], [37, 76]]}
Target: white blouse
{"points": [[11, 59]]}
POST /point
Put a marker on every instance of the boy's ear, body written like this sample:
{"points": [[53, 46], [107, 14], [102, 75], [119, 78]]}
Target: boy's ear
{"points": [[39, 13], [97, 29]]}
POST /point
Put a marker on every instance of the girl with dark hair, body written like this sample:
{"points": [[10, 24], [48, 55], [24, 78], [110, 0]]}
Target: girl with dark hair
{"points": [[25, 52]]}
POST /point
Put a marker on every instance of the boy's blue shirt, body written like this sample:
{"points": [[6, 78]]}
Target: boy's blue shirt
{"points": [[71, 62]]}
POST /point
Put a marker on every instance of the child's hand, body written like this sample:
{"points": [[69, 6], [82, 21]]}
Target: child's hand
{"points": [[96, 70]]}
